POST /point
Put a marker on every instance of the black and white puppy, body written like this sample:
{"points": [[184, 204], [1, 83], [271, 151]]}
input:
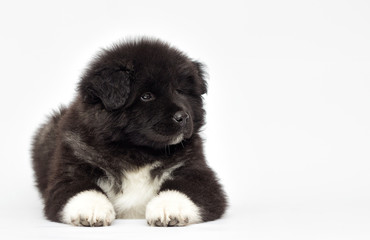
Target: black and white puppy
{"points": [[128, 146]]}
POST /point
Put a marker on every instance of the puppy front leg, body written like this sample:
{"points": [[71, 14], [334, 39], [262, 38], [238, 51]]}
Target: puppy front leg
{"points": [[193, 195], [78, 203]]}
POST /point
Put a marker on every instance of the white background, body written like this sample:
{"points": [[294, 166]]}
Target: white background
{"points": [[288, 109]]}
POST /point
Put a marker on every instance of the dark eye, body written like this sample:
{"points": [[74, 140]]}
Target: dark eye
{"points": [[146, 97], [180, 91]]}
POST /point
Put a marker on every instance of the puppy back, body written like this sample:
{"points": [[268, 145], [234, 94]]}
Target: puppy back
{"points": [[43, 147]]}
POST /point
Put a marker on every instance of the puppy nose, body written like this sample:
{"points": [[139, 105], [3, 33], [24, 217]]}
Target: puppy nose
{"points": [[180, 117]]}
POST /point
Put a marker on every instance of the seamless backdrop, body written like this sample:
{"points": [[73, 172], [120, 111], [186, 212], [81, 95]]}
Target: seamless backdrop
{"points": [[288, 108]]}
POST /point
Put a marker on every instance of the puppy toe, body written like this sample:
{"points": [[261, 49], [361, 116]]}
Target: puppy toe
{"points": [[173, 222]]}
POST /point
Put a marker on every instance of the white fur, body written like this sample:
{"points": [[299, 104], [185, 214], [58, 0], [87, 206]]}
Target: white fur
{"points": [[88, 208], [177, 139], [172, 208], [138, 188]]}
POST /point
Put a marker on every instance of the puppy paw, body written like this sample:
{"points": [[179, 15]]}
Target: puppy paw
{"points": [[172, 208], [88, 208]]}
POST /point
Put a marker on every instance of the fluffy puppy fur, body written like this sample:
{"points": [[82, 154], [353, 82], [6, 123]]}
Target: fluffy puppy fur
{"points": [[128, 146]]}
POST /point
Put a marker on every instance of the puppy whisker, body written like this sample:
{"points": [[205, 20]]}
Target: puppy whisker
{"points": [[169, 149]]}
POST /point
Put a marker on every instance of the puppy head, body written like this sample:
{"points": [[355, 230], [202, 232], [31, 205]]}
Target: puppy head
{"points": [[147, 93]]}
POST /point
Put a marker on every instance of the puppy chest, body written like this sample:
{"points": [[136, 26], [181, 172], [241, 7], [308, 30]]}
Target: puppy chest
{"points": [[138, 188]]}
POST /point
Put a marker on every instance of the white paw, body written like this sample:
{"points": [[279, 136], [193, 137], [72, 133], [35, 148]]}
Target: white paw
{"points": [[88, 208], [172, 208]]}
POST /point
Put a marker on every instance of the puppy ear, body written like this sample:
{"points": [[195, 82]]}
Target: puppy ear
{"points": [[110, 86], [200, 73]]}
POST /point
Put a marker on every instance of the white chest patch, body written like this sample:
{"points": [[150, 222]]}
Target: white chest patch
{"points": [[138, 188]]}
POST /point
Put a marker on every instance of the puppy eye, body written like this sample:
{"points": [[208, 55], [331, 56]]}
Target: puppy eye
{"points": [[146, 97], [179, 91]]}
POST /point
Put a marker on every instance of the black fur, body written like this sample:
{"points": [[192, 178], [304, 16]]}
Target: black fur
{"points": [[109, 127]]}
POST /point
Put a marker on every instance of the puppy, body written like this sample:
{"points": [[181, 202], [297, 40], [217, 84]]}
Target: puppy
{"points": [[128, 146]]}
